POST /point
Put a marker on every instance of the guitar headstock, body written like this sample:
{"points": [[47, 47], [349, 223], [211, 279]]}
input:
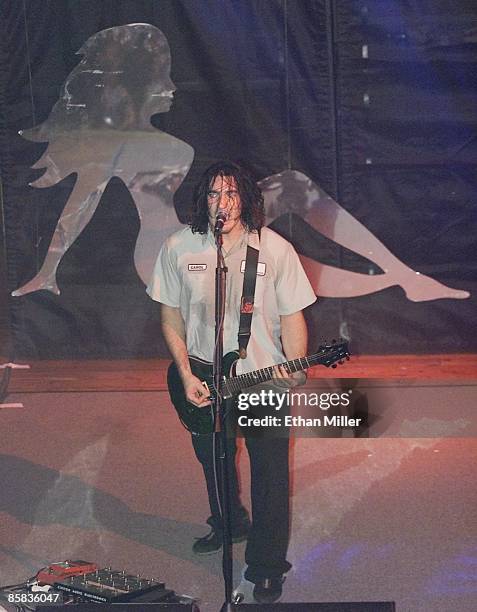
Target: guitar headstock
{"points": [[334, 352]]}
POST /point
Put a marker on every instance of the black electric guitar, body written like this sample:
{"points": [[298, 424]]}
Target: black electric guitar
{"points": [[201, 420]]}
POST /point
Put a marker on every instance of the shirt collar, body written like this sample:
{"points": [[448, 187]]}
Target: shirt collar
{"points": [[246, 238]]}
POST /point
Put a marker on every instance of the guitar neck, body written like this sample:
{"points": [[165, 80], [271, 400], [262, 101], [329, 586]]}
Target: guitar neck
{"points": [[249, 379]]}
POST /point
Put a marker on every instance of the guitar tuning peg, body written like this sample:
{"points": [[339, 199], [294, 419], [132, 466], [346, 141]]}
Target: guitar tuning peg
{"points": [[341, 362], [334, 365], [347, 357]]}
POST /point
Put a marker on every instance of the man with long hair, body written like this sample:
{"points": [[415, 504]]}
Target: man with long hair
{"points": [[183, 282]]}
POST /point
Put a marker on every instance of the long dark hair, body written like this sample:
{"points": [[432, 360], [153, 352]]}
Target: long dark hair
{"points": [[253, 212]]}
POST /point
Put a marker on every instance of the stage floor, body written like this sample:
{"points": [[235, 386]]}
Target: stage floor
{"points": [[150, 374], [110, 477]]}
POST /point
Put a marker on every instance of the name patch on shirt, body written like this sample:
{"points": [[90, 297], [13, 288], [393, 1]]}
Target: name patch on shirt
{"points": [[197, 267], [261, 267]]}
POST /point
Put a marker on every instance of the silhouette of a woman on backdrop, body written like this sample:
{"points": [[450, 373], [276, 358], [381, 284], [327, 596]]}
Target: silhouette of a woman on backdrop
{"points": [[100, 128]]}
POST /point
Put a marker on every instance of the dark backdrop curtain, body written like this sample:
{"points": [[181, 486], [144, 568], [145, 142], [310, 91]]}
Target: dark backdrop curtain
{"points": [[375, 101]]}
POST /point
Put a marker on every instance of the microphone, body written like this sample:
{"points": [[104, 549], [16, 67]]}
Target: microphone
{"points": [[220, 219]]}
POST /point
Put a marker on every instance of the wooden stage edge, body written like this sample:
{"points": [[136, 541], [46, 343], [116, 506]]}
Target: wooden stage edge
{"points": [[150, 374]]}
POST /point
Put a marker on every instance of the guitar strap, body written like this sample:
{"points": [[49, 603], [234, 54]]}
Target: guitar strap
{"points": [[248, 295]]}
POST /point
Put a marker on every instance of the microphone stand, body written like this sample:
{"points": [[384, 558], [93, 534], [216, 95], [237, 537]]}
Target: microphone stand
{"points": [[220, 431]]}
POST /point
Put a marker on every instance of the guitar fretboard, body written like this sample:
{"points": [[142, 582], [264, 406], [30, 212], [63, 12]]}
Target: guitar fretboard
{"points": [[249, 379]]}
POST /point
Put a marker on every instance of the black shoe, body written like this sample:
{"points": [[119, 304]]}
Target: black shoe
{"points": [[209, 544], [212, 542], [268, 590]]}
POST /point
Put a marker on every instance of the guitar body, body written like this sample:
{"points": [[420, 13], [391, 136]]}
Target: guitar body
{"points": [[201, 420], [197, 420]]}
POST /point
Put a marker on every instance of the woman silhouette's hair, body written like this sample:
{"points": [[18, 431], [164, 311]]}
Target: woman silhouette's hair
{"points": [[110, 85]]}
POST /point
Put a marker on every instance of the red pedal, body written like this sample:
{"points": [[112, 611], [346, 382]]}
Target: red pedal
{"points": [[58, 571]]}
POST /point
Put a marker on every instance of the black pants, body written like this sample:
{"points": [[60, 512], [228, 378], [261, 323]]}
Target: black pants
{"points": [[267, 543]]}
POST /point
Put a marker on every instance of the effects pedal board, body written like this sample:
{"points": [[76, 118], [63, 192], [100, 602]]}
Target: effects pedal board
{"points": [[109, 586]]}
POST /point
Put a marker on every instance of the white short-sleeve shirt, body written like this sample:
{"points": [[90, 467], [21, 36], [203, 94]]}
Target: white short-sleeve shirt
{"points": [[184, 278]]}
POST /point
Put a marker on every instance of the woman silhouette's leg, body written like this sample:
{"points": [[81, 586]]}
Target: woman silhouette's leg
{"points": [[293, 191], [336, 282], [350, 233]]}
